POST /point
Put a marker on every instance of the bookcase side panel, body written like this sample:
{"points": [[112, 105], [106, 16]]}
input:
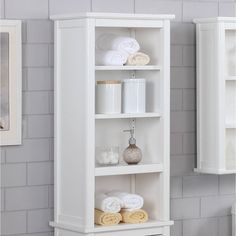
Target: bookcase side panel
{"points": [[74, 122], [209, 98]]}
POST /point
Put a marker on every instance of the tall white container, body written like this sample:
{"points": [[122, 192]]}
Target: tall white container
{"points": [[108, 97], [134, 95]]}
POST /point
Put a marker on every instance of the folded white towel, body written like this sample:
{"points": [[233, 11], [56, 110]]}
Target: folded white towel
{"points": [[107, 203], [114, 42], [110, 58], [128, 200]]}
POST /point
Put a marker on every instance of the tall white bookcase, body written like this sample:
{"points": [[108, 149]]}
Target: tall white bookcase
{"points": [[216, 96], [78, 130]]}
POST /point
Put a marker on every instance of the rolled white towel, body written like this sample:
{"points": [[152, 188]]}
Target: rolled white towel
{"points": [[128, 200], [110, 58], [114, 42], [138, 59], [107, 203]]}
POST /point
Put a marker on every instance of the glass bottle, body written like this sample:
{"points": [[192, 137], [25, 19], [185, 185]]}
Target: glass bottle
{"points": [[132, 154]]}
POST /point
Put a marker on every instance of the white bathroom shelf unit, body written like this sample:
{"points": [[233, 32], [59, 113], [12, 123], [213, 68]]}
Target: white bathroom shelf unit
{"points": [[78, 130], [216, 95]]}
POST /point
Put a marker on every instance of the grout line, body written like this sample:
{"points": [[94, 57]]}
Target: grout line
{"points": [[218, 8], [28, 210], [48, 196], [27, 221], [200, 204], [29, 186], [49, 9], [218, 177], [91, 5], [27, 169], [4, 9], [235, 183], [29, 162]]}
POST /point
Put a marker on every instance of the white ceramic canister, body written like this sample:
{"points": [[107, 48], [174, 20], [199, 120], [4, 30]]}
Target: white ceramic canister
{"points": [[108, 97], [134, 95]]}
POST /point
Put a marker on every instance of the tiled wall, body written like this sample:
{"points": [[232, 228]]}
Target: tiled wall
{"points": [[200, 204]]}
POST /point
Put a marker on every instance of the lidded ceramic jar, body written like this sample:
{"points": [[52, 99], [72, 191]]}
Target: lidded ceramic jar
{"points": [[108, 97]]}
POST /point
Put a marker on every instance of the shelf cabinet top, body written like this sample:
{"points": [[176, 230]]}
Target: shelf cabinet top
{"points": [[101, 15], [215, 20]]}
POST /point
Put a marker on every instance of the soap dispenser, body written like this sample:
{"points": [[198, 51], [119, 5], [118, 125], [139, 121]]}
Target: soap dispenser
{"points": [[132, 154]]}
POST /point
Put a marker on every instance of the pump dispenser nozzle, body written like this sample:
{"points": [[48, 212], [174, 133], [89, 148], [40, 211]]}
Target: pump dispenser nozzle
{"points": [[132, 140]]}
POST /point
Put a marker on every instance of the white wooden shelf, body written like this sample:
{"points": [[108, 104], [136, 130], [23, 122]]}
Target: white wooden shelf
{"points": [[215, 171], [230, 78], [230, 126], [123, 226], [128, 169], [148, 67], [125, 116], [120, 227]]}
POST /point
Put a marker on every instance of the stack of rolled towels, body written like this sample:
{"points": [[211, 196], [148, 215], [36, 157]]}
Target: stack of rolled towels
{"points": [[115, 207], [114, 50]]}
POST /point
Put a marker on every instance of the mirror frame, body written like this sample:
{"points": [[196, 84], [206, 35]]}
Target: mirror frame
{"points": [[13, 135]]}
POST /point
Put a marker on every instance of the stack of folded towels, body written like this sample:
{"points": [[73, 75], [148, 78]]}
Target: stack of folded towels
{"points": [[115, 207], [113, 50]]}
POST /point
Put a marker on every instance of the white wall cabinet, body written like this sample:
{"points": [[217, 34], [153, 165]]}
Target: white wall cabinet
{"points": [[216, 95], [78, 130]]}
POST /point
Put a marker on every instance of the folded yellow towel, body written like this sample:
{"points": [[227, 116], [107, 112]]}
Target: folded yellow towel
{"points": [[106, 218], [134, 217], [138, 59]]}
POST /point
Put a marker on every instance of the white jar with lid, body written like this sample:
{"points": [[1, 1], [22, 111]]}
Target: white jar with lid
{"points": [[134, 95], [108, 97]]}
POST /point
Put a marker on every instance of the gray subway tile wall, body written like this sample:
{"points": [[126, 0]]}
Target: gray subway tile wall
{"points": [[200, 204]]}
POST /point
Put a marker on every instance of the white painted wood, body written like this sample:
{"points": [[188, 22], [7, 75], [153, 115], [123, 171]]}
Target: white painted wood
{"points": [[121, 228], [78, 130], [214, 171], [74, 126], [128, 169], [127, 115], [13, 136], [230, 126], [147, 67], [215, 20], [231, 78], [118, 16], [216, 95], [134, 23]]}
